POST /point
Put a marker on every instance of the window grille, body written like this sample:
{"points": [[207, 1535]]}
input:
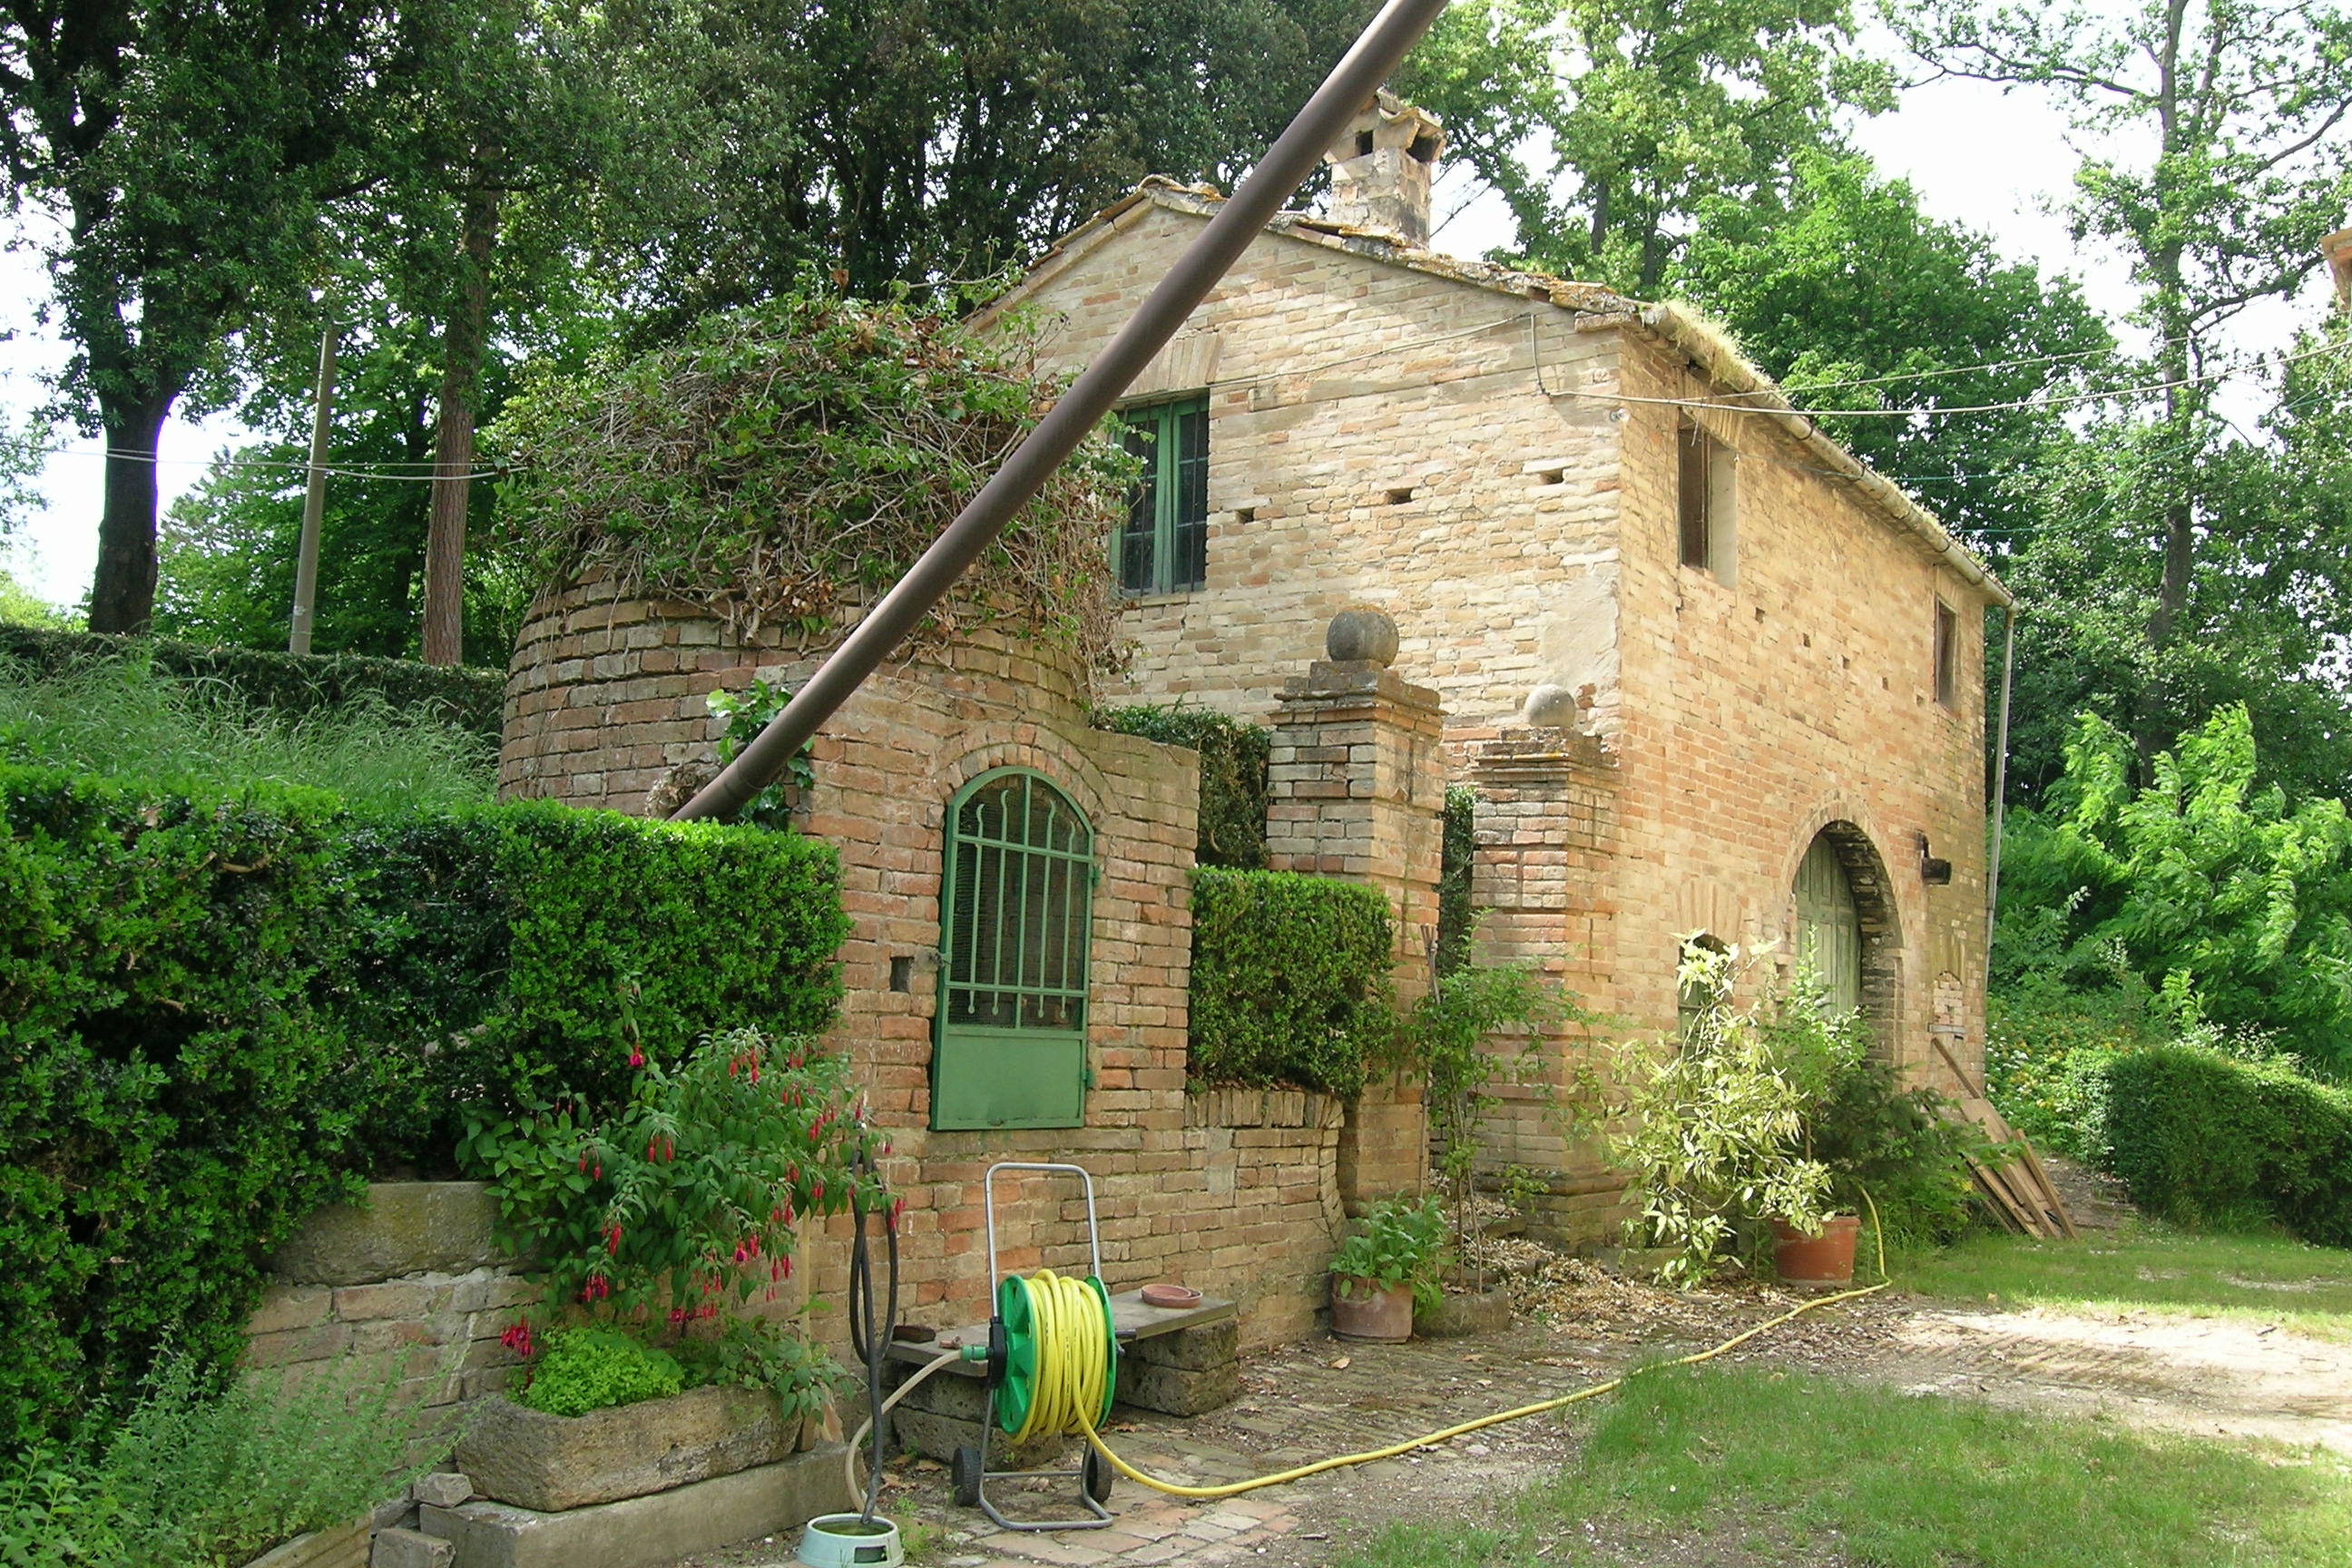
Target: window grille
{"points": [[1017, 900]]}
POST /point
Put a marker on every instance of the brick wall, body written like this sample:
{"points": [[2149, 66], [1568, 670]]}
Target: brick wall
{"points": [[1441, 441], [1799, 699], [1370, 429], [604, 698]]}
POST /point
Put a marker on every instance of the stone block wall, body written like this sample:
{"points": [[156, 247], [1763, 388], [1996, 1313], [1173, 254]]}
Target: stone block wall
{"points": [[409, 1285]]}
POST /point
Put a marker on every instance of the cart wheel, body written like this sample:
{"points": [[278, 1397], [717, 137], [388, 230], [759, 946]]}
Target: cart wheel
{"points": [[1098, 1475], [965, 1475]]}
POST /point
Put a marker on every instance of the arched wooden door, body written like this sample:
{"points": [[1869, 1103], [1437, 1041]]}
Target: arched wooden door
{"points": [[1829, 925], [1016, 906]]}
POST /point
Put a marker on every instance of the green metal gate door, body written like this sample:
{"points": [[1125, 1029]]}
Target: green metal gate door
{"points": [[1011, 1048], [1829, 927]]}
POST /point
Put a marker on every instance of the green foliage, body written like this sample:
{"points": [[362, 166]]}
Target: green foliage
{"points": [[587, 1369], [690, 1187], [1397, 1241], [182, 153], [746, 716], [784, 463], [1853, 298], [1713, 1132], [212, 1009], [1290, 981], [1234, 755], [122, 717], [763, 1354], [2221, 902], [690, 1195], [194, 1479], [1890, 1152], [1456, 914], [1446, 1035], [2203, 1138], [1651, 113], [278, 682], [174, 1094]]}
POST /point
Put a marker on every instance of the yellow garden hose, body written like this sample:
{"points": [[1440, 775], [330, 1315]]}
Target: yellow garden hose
{"points": [[1062, 1350]]}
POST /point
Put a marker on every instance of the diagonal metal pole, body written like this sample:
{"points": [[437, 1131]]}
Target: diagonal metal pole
{"points": [[1286, 165]]}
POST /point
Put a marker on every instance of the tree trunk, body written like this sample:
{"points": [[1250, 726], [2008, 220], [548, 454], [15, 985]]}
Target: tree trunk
{"points": [[453, 445], [122, 593]]}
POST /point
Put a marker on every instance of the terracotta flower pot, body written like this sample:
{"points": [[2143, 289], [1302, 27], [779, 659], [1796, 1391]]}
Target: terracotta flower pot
{"points": [[1820, 1262], [1363, 1310]]}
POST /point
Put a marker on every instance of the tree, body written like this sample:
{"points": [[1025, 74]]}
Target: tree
{"points": [[1651, 110], [2241, 108], [1853, 297], [185, 149], [912, 144]]}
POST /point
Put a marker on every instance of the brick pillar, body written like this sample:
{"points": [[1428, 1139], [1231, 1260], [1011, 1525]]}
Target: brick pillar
{"points": [[1547, 830], [1356, 789]]}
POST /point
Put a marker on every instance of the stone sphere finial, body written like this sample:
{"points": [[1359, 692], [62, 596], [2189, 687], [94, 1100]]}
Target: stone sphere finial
{"points": [[1361, 635], [1550, 707]]}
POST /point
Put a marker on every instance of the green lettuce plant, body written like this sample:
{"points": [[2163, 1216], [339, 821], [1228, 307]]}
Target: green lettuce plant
{"points": [[1398, 1241]]}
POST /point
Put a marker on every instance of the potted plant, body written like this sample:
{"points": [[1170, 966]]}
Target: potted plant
{"points": [[1885, 1147], [1714, 1126], [1387, 1265]]}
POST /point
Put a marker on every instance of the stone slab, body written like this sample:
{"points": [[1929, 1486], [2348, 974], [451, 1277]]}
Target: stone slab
{"points": [[1175, 1391], [342, 1546], [1204, 1349], [1463, 1314], [550, 1463], [1129, 1319], [406, 1228], [641, 1532], [410, 1549]]}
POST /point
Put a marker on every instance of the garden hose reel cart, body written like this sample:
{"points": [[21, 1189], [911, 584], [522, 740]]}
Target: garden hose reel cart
{"points": [[1025, 1387]]}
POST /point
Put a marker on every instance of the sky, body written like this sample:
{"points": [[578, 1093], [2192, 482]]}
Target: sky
{"points": [[1998, 162]]}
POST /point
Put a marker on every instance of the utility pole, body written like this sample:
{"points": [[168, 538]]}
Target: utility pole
{"points": [[314, 499]]}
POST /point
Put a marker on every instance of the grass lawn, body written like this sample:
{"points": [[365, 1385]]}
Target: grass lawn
{"points": [[114, 717], [2148, 1267], [1747, 1466]]}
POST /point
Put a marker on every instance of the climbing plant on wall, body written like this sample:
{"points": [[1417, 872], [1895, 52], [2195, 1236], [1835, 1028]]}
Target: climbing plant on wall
{"points": [[792, 460]]}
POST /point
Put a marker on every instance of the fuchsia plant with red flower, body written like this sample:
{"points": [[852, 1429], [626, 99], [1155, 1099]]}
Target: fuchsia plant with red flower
{"points": [[670, 1203]]}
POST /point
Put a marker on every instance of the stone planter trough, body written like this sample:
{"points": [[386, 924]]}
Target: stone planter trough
{"points": [[550, 1463]]}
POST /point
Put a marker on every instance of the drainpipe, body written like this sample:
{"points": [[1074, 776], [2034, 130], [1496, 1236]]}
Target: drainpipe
{"points": [[1343, 95], [2000, 779]]}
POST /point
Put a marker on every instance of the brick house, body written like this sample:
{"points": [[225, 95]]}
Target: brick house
{"points": [[1707, 672]]}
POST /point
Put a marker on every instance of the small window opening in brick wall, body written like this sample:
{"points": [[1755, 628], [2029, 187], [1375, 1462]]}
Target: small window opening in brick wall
{"points": [[1947, 655], [1707, 491], [1690, 1000], [1398, 495]]}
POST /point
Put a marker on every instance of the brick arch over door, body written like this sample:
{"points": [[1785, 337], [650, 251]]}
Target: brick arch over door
{"points": [[1877, 921]]}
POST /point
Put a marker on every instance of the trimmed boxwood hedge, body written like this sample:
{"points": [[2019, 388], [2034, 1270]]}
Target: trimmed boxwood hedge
{"points": [[2208, 1139], [215, 1013], [1233, 774], [282, 682], [1290, 981]]}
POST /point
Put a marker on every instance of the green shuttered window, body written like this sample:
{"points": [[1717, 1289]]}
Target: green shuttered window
{"points": [[1017, 905], [1163, 546]]}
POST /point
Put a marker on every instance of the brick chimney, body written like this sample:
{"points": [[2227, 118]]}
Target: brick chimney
{"points": [[2338, 247], [1380, 169]]}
